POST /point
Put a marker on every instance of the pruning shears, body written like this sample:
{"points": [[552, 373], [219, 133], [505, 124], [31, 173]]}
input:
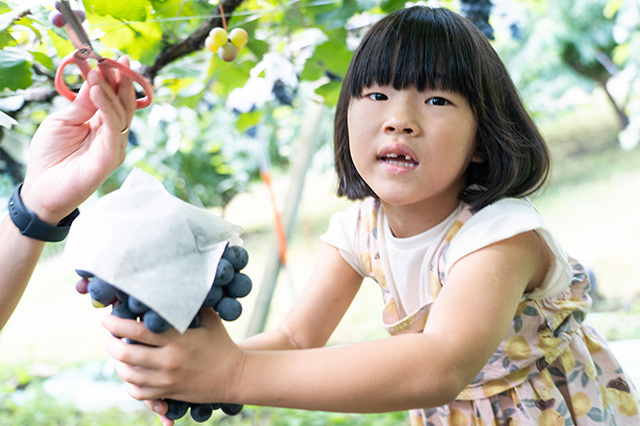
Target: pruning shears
{"points": [[84, 51]]}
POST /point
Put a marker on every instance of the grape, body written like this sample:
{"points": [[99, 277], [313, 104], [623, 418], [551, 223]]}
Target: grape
{"points": [[201, 412], [137, 306], [84, 274], [224, 273], [213, 297], [121, 310], [237, 256], [228, 52], [229, 309], [478, 12], [80, 15], [231, 409], [176, 409], [219, 37], [56, 18], [154, 322], [238, 37], [101, 291], [122, 296], [57, 5], [239, 286], [81, 286]]}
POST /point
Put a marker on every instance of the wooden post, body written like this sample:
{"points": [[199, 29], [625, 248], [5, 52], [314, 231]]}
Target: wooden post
{"points": [[308, 143]]}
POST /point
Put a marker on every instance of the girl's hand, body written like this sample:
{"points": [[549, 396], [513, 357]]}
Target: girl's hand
{"points": [[197, 366], [75, 149]]}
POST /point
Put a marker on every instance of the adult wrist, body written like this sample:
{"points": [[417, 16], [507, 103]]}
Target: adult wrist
{"points": [[30, 225]]}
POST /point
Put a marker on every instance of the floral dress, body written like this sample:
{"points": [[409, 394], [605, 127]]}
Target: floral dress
{"points": [[551, 368]]}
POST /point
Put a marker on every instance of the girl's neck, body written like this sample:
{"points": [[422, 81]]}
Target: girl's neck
{"points": [[409, 220]]}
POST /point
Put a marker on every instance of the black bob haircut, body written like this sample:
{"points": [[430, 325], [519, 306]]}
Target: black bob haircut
{"points": [[435, 48]]}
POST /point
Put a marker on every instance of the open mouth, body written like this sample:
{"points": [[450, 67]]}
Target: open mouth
{"points": [[399, 160]]}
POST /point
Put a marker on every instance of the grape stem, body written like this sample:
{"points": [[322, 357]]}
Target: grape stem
{"points": [[224, 21]]}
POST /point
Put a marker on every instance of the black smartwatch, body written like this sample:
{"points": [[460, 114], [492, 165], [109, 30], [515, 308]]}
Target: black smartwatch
{"points": [[29, 224]]}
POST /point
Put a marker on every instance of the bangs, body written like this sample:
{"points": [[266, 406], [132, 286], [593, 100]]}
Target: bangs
{"points": [[421, 51]]}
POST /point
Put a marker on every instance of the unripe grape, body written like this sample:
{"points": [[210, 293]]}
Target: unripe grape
{"points": [[210, 44], [238, 37], [228, 52], [56, 18], [219, 36]]}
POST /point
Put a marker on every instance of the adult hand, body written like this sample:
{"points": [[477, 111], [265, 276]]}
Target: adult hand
{"points": [[75, 149]]}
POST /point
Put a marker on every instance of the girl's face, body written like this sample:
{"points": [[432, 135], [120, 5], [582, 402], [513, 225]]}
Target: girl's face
{"points": [[411, 147]]}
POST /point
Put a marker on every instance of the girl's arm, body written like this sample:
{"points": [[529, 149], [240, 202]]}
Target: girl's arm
{"points": [[318, 310], [467, 323]]}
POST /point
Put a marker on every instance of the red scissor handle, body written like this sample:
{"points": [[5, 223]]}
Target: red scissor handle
{"points": [[107, 66]]}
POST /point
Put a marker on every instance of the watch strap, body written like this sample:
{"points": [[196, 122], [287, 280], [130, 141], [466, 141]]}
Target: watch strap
{"points": [[31, 226]]}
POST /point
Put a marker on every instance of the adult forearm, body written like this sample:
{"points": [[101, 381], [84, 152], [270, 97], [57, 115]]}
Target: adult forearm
{"points": [[18, 258], [392, 374]]}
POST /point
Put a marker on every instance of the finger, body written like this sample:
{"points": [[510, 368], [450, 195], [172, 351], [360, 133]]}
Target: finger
{"points": [[143, 393], [140, 376], [80, 110], [106, 100], [158, 406], [135, 330], [126, 91]]}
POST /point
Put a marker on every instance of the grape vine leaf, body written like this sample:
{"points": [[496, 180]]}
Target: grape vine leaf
{"points": [[15, 69], [124, 10]]}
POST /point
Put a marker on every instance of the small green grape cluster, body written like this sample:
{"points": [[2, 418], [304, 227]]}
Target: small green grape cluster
{"points": [[227, 45]]}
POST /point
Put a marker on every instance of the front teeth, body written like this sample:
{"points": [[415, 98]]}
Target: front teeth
{"points": [[406, 157]]}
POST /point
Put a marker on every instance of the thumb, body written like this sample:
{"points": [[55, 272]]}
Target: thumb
{"points": [[81, 109]]}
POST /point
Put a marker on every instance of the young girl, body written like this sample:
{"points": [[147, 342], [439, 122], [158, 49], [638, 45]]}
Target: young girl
{"points": [[484, 307]]}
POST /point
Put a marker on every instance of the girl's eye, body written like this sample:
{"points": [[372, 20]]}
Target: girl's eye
{"points": [[437, 101], [377, 97]]}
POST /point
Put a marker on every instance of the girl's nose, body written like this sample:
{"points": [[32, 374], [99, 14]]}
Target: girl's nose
{"points": [[402, 123]]}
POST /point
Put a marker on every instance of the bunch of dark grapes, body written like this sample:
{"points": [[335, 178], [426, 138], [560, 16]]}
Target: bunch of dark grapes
{"points": [[56, 18], [228, 286], [478, 12]]}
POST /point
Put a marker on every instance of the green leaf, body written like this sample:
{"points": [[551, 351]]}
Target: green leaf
{"points": [[388, 6], [139, 40], [248, 120], [125, 10], [330, 92], [62, 45], [15, 69], [43, 60]]}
